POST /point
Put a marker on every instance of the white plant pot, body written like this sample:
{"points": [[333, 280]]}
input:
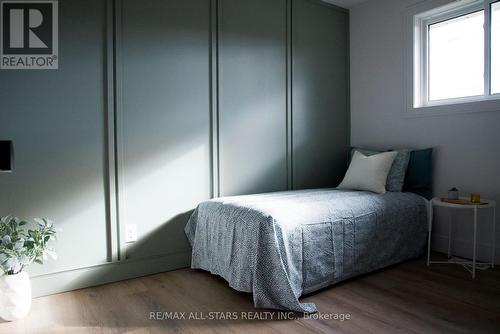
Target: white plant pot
{"points": [[15, 296]]}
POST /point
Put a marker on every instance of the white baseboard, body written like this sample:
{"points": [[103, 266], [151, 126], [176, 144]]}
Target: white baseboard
{"points": [[52, 283], [463, 248]]}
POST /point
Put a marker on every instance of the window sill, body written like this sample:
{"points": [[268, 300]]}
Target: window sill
{"points": [[461, 100], [455, 107]]}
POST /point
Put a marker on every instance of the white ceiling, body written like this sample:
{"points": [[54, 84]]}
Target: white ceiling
{"points": [[345, 3]]}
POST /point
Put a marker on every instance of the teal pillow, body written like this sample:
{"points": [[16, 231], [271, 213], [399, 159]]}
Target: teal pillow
{"points": [[396, 178], [418, 177]]}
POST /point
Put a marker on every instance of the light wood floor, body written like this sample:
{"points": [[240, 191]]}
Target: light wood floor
{"points": [[407, 298]]}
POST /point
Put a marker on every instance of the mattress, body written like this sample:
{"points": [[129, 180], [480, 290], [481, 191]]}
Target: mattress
{"points": [[279, 246]]}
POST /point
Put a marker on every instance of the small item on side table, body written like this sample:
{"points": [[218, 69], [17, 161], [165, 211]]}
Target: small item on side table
{"points": [[453, 193], [475, 198], [461, 201]]}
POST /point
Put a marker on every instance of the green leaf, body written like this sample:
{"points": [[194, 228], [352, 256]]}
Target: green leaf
{"points": [[20, 246]]}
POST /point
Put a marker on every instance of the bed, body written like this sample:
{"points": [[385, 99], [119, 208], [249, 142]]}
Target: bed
{"points": [[280, 246]]}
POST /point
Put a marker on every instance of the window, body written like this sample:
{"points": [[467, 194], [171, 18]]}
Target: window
{"points": [[495, 48], [456, 57], [457, 53]]}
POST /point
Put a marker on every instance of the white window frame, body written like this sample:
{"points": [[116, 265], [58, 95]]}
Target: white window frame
{"points": [[419, 17]]}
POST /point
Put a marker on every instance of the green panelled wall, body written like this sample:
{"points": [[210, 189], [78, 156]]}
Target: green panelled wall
{"points": [[160, 104]]}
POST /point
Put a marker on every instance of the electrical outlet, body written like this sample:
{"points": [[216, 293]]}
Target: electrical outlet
{"points": [[130, 233]]}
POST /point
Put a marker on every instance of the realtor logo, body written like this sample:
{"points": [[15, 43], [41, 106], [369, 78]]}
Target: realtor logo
{"points": [[29, 33]]}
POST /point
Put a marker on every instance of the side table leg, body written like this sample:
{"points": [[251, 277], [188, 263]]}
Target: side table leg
{"points": [[493, 249], [475, 241], [450, 226], [429, 218]]}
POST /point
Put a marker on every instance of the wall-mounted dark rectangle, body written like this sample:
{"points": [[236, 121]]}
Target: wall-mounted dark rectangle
{"points": [[5, 156]]}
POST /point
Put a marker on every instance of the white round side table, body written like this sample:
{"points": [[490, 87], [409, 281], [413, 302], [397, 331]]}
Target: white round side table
{"points": [[475, 207]]}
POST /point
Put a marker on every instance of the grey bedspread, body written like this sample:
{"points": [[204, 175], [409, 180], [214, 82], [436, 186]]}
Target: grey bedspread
{"points": [[281, 245]]}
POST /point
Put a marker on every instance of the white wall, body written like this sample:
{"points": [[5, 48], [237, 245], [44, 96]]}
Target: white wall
{"points": [[467, 152]]}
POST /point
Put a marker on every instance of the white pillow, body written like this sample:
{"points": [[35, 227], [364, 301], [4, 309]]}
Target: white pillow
{"points": [[368, 172]]}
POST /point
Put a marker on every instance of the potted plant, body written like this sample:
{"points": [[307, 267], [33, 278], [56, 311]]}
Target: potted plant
{"points": [[20, 246]]}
